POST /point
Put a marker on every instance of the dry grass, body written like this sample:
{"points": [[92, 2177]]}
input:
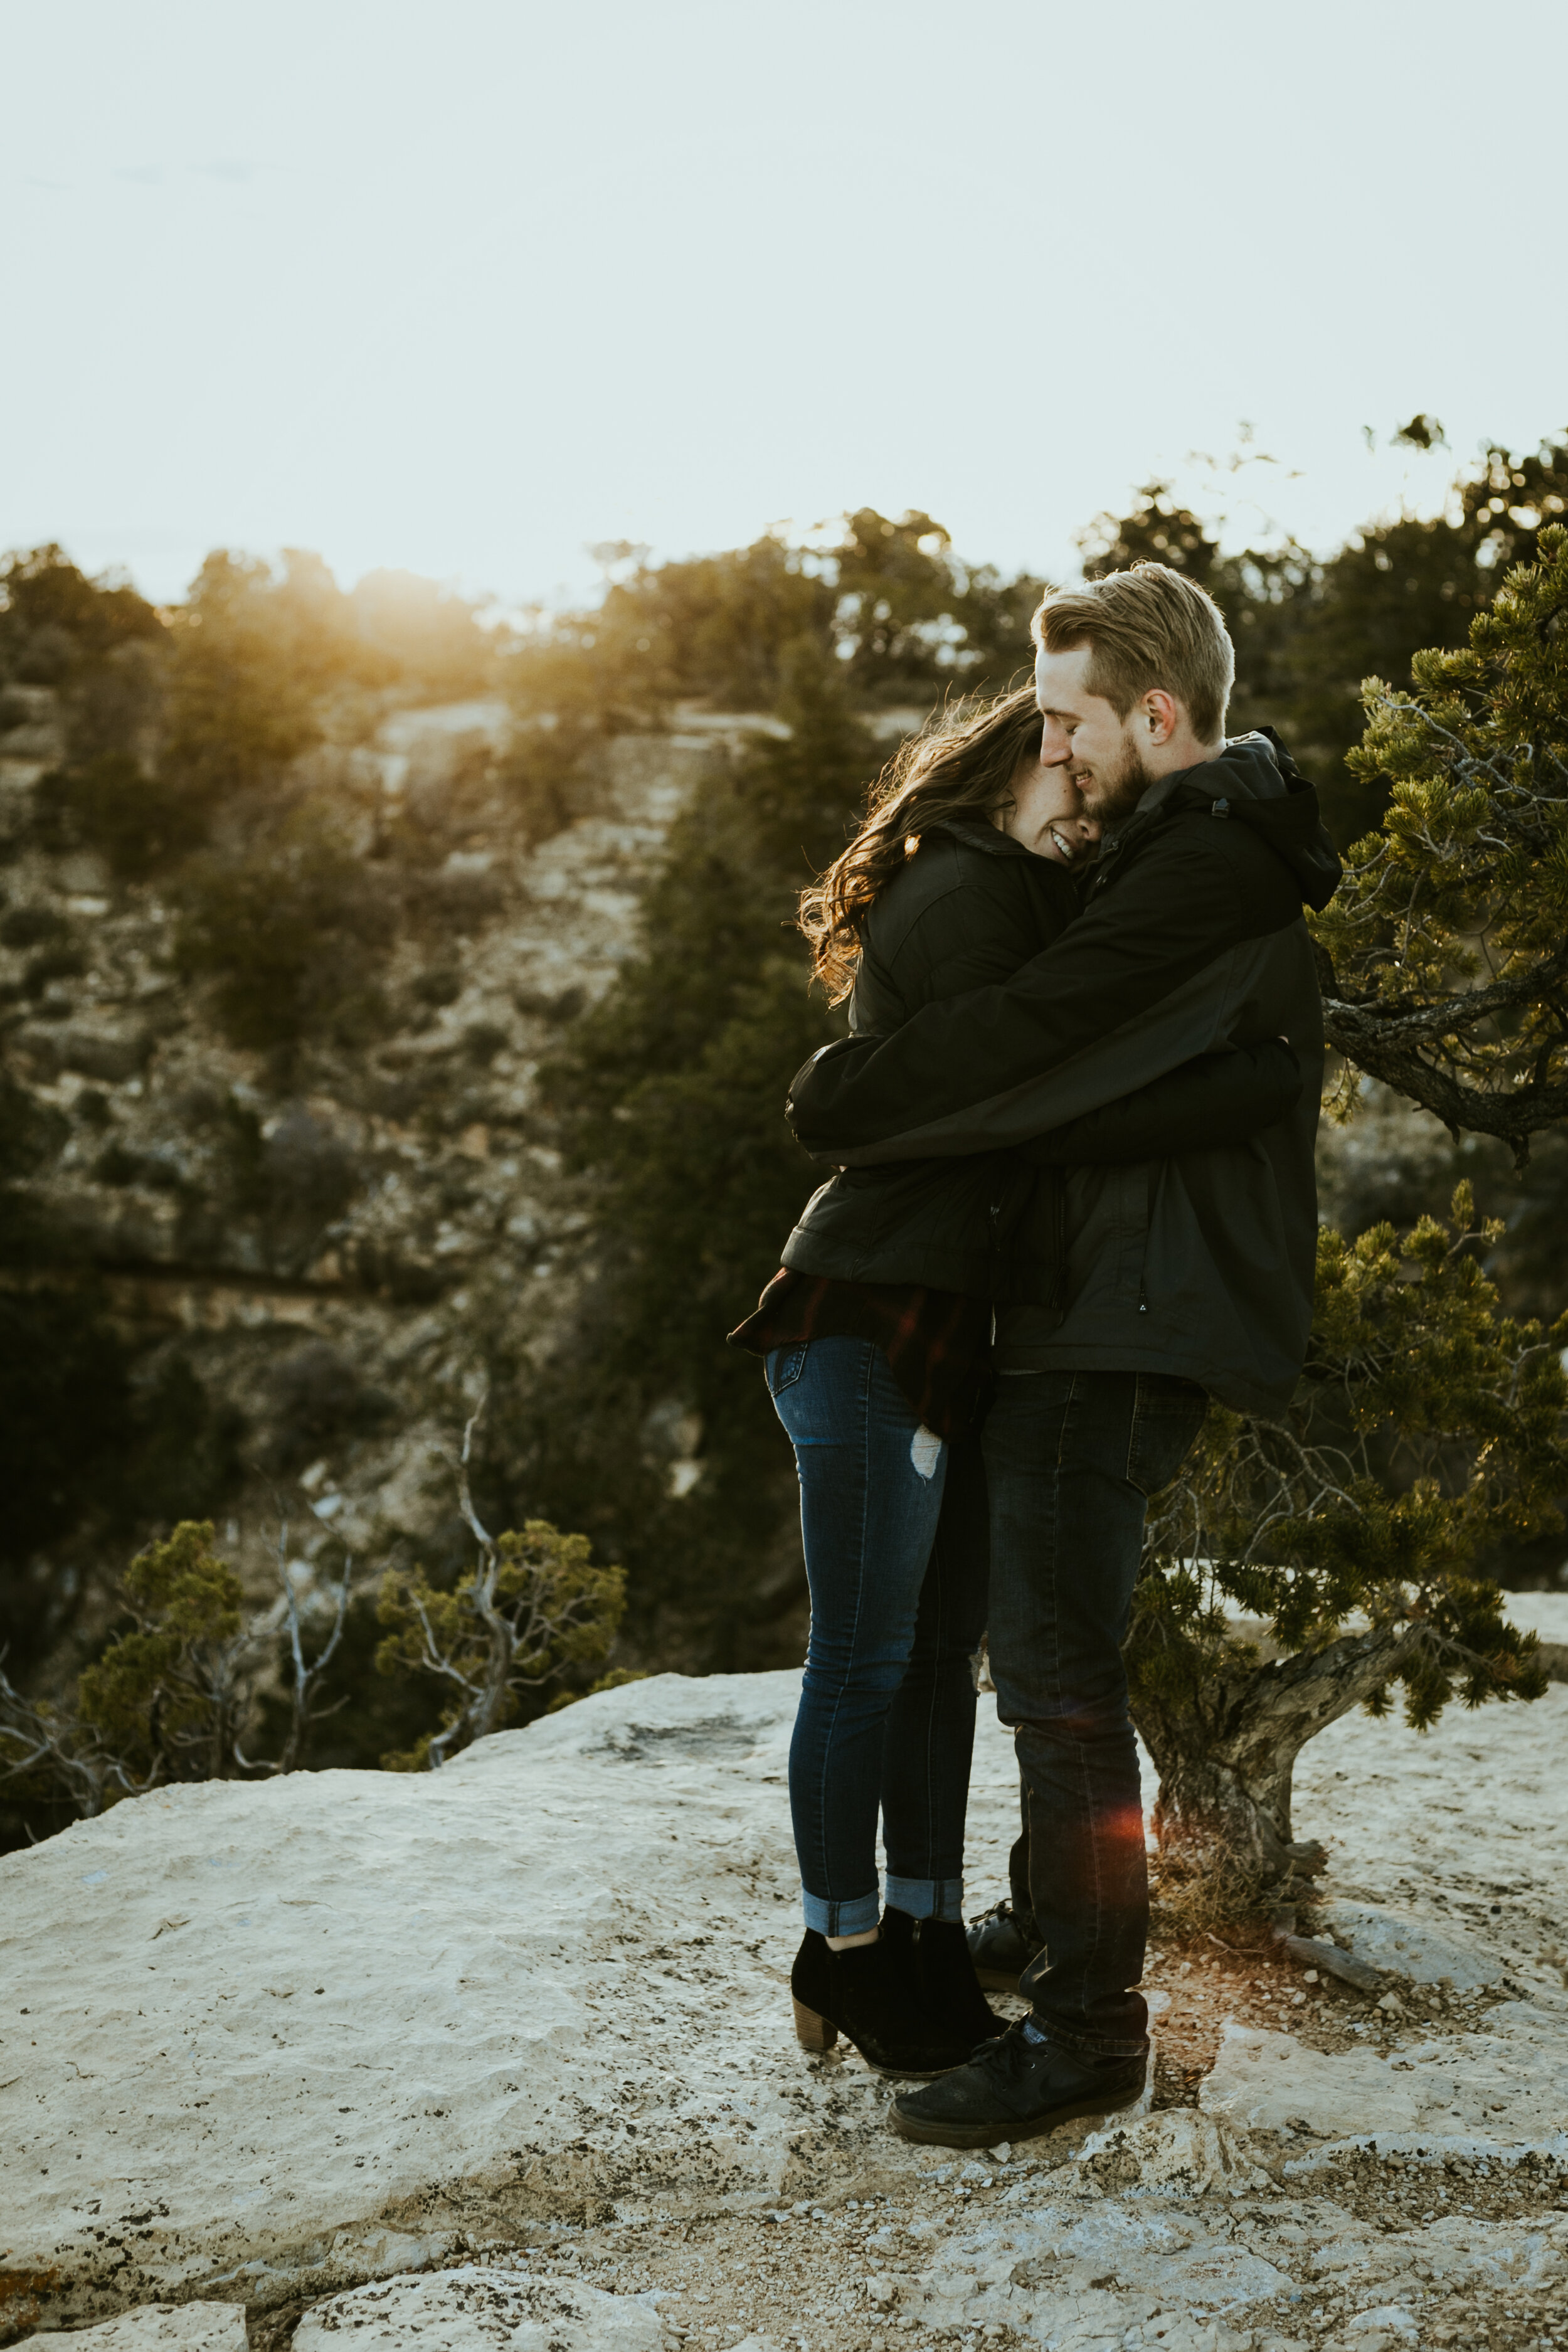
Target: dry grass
{"points": [[1186, 1897]]}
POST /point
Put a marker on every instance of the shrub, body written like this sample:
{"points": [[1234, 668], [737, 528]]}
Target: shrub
{"points": [[29, 927], [288, 934], [169, 1695], [136, 822], [531, 1606], [549, 775], [315, 1395], [437, 984], [54, 619], [165, 1696], [455, 905]]}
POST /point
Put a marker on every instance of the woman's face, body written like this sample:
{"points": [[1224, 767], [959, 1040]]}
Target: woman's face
{"points": [[1047, 815]]}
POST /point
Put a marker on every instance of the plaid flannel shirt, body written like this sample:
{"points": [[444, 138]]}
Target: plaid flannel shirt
{"points": [[937, 1343]]}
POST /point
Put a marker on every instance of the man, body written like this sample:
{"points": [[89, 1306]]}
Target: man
{"points": [[1185, 1278]]}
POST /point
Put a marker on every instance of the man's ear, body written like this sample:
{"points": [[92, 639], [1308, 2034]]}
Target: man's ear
{"points": [[1159, 716]]}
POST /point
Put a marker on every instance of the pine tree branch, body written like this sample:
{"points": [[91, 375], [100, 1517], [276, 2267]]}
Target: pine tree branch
{"points": [[1404, 1018], [1390, 1050]]}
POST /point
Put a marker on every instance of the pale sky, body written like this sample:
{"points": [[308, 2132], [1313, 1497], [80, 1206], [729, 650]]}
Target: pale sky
{"points": [[466, 286]]}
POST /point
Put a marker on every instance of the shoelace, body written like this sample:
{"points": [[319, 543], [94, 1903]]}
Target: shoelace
{"points": [[1008, 2057]]}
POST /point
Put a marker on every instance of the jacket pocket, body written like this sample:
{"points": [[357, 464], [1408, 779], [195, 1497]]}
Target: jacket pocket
{"points": [[1134, 1184], [784, 1366]]}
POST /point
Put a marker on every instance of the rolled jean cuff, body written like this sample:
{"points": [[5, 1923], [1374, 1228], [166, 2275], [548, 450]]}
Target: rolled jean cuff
{"points": [[1080, 2046], [927, 1898], [856, 1917]]}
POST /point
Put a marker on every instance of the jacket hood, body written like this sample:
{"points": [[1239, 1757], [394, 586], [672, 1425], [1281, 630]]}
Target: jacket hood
{"points": [[1256, 782]]}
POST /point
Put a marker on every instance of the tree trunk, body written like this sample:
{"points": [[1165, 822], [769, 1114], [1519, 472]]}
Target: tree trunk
{"points": [[489, 1713], [1227, 1751]]}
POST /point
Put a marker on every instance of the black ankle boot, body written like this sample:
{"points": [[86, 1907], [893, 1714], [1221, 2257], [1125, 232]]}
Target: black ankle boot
{"points": [[949, 1993], [869, 1993]]}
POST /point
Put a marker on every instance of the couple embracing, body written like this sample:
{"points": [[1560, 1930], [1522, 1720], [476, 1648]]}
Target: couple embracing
{"points": [[1072, 1129]]}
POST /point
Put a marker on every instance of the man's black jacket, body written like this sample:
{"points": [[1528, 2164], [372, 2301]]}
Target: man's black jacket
{"points": [[1193, 943], [968, 908]]}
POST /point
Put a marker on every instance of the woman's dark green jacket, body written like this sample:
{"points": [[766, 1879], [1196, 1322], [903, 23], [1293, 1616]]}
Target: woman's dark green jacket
{"points": [[965, 911]]}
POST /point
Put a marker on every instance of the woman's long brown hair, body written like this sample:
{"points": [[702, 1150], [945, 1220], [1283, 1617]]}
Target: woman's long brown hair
{"points": [[961, 764]]}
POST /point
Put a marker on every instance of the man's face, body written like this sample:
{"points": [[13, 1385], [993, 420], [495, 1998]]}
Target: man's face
{"points": [[1083, 735]]}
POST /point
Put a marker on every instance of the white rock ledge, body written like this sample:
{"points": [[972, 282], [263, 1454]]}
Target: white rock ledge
{"points": [[288, 2037], [1510, 2085], [288, 2044]]}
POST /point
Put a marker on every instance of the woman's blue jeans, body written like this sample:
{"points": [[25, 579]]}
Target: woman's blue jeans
{"points": [[894, 1523]]}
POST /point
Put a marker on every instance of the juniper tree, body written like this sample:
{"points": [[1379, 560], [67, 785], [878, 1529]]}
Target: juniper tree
{"points": [[533, 1604], [169, 1695], [1426, 1426], [1444, 953], [1349, 1534]]}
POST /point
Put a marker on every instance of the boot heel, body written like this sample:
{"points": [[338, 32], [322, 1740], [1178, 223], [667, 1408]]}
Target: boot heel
{"points": [[812, 2033]]}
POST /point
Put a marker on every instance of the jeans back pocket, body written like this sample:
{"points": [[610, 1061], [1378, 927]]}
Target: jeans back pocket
{"points": [[785, 1365]]}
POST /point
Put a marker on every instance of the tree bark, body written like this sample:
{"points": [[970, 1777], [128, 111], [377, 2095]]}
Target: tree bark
{"points": [[1227, 1754]]}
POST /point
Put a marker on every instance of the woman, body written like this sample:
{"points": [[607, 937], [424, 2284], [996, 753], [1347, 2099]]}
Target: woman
{"points": [[876, 1336]]}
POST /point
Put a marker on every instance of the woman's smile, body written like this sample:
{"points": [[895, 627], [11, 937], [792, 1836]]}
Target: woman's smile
{"points": [[1045, 811], [1056, 844]]}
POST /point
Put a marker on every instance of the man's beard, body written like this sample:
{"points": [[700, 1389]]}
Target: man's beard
{"points": [[1110, 793]]}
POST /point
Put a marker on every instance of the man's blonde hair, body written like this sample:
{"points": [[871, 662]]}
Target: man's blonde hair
{"points": [[1146, 628]]}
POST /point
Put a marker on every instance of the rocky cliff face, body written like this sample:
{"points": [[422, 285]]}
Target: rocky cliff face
{"points": [[314, 1234]]}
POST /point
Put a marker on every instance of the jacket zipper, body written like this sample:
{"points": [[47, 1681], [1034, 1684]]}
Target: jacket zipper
{"points": [[1060, 1240], [1148, 1230], [993, 1227]]}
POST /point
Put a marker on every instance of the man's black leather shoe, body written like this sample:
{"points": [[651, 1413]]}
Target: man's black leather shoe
{"points": [[1002, 1943], [1018, 2088]]}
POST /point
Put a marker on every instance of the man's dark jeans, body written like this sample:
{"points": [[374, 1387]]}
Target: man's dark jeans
{"points": [[1071, 1458]]}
